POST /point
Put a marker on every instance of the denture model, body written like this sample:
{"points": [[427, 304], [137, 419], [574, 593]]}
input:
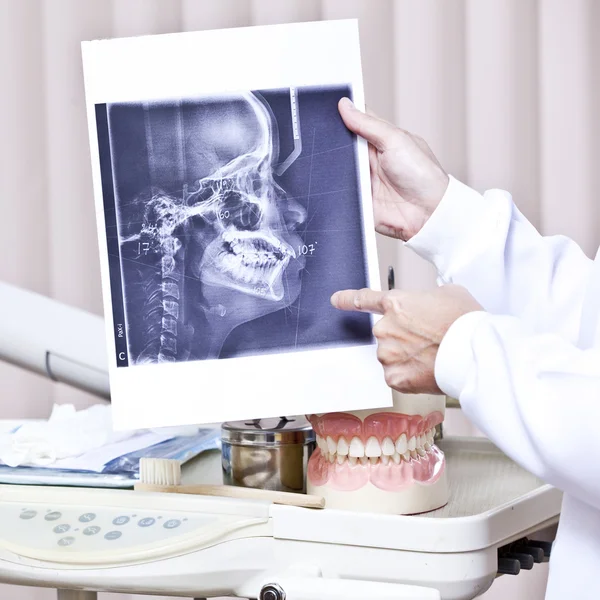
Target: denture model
{"points": [[381, 461]]}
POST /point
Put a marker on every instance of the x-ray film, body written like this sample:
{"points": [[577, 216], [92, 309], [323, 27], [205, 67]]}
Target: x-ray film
{"points": [[231, 203]]}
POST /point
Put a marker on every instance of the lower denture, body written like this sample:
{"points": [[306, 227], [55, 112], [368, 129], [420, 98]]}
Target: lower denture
{"points": [[389, 475]]}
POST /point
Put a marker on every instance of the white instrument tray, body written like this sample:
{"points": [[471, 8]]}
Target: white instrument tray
{"points": [[493, 501]]}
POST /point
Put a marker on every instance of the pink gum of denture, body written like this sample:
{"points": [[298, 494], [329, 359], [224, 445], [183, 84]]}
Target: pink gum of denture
{"points": [[424, 470], [379, 425]]}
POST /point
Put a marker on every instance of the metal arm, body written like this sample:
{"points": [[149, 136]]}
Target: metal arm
{"points": [[53, 339]]}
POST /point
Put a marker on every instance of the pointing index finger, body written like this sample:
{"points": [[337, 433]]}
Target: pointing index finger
{"points": [[364, 300]]}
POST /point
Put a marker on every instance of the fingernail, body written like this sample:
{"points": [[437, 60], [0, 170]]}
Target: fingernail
{"points": [[347, 103], [334, 299]]}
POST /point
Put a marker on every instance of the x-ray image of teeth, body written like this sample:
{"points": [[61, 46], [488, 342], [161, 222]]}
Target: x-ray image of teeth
{"points": [[230, 221]]}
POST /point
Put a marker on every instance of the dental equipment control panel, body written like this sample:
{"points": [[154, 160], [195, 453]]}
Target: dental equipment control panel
{"points": [[128, 527], [71, 530]]}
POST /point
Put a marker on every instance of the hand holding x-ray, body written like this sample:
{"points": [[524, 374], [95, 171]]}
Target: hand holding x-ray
{"points": [[411, 330], [407, 180]]}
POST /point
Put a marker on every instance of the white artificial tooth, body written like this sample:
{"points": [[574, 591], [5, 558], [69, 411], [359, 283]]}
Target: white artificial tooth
{"points": [[374, 459], [401, 444], [412, 443], [342, 447], [427, 446], [331, 445], [406, 456], [396, 458], [340, 459], [373, 449], [413, 454], [331, 458], [387, 447], [385, 459], [321, 443], [431, 435], [357, 448], [352, 460], [421, 452], [422, 440], [363, 460]]}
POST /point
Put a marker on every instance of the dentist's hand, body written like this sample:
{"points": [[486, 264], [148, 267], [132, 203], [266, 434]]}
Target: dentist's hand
{"points": [[411, 330], [407, 180]]}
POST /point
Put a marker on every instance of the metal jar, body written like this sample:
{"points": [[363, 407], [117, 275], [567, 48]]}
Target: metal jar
{"points": [[270, 454]]}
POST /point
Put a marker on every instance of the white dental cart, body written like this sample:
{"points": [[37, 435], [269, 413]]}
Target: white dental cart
{"points": [[190, 546]]}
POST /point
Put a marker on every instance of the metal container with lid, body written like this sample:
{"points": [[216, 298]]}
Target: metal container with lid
{"points": [[270, 454]]}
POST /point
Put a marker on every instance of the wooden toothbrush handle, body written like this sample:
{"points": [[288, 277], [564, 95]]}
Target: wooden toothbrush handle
{"points": [[231, 491]]}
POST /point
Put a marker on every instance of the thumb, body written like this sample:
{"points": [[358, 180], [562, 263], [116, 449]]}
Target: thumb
{"points": [[375, 130]]}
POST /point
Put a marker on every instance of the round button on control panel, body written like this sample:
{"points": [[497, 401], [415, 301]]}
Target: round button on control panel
{"points": [[113, 535], [66, 541], [87, 517], [91, 530], [53, 516], [172, 523], [28, 514], [122, 520], [62, 528], [146, 522]]}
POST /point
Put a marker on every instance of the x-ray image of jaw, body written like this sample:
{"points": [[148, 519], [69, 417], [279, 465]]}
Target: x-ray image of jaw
{"points": [[219, 208]]}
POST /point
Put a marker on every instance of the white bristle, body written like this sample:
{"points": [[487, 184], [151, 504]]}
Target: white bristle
{"points": [[160, 471]]}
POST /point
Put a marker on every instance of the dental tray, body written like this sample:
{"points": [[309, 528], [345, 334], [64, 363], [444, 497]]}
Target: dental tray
{"points": [[493, 501]]}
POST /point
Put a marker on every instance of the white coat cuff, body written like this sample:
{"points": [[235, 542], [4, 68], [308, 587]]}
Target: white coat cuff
{"points": [[447, 237], [455, 359]]}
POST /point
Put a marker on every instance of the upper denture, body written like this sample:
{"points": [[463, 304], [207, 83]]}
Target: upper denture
{"points": [[377, 425], [336, 425]]}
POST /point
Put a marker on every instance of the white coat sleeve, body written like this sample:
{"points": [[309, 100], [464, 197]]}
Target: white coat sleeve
{"points": [[485, 244], [515, 368], [536, 396]]}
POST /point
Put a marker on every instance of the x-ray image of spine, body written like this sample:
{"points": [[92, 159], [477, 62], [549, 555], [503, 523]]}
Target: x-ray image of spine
{"points": [[230, 221]]}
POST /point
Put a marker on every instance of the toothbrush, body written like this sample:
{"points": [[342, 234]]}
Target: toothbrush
{"points": [[164, 475]]}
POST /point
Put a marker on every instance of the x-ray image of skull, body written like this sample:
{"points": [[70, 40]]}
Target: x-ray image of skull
{"points": [[218, 227]]}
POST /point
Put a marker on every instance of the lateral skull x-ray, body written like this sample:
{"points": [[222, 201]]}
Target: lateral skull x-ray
{"points": [[230, 222]]}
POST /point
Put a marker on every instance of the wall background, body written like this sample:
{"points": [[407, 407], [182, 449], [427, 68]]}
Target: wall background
{"points": [[505, 91]]}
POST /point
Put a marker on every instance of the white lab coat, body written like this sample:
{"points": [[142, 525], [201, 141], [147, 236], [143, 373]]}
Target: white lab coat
{"points": [[524, 372]]}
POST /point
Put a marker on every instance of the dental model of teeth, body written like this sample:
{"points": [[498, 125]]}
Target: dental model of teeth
{"points": [[374, 451], [380, 461]]}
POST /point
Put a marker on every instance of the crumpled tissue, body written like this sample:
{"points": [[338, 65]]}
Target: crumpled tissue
{"points": [[70, 433]]}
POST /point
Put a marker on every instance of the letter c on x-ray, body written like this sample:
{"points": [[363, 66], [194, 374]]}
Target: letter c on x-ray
{"points": [[121, 355]]}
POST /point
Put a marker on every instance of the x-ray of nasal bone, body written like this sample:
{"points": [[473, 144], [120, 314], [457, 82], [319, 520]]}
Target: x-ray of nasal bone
{"points": [[237, 217]]}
